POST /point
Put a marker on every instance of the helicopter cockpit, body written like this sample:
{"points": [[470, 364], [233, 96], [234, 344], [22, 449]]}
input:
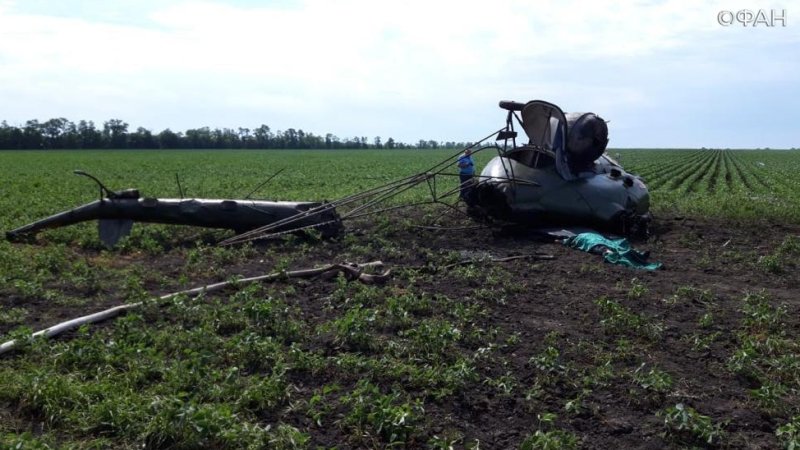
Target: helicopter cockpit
{"points": [[561, 174], [545, 125]]}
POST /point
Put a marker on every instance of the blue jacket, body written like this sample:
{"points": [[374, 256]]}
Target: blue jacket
{"points": [[466, 165]]}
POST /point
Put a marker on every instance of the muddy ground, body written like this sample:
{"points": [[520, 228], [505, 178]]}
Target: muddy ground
{"points": [[717, 264]]}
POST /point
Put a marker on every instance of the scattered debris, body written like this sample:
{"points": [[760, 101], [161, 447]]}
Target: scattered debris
{"points": [[350, 270]]}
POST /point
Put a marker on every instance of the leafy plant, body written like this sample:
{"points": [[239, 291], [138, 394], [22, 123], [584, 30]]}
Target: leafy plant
{"points": [[548, 361], [789, 434], [387, 416], [685, 422], [618, 319], [653, 380], [551, 439], [637, 289], [769, 395]]}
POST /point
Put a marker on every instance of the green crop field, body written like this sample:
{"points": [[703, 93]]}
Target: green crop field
{"points": [[721, 183], [716, 183], [37, 184], [472, 340]]}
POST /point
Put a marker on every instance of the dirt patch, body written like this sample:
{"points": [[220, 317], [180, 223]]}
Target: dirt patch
{"points": [[680, 320]]}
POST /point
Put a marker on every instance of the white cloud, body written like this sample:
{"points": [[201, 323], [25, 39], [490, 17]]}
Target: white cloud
{"points": [[342, 63]]}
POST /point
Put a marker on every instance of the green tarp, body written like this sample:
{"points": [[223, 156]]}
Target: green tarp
{"points": [[615, 251]]}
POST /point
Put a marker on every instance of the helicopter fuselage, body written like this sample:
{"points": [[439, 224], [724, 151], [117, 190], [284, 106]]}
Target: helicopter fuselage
{"points": [[602, 195]]}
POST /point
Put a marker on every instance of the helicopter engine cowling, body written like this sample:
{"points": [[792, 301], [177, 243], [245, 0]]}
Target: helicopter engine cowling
{"points": [[587, 138]]}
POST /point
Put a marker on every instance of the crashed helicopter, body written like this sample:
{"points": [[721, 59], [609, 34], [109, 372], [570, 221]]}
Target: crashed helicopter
{"points": [[561, 176]]}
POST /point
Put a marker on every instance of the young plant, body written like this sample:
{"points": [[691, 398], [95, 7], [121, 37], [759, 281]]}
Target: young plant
{"points": [[637, 289], [789, 434], [685, 423], [653, 380], [551, 439], [770, 395], [389, 417]]}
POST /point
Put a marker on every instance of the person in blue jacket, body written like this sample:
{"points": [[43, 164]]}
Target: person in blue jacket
{"points": [[466, 168]]}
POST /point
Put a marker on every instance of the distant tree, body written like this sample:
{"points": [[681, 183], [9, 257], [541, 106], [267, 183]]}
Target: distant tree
{"points": [[167, 139], [336, 143], [115, 133], [62, 133], [263, 136], [52, 130], [291, 138], [218, 138], [278, 140], [227, 138], [199, 138], [89, 136], [70, 137], [10, 137], [142, 138], [32, 135], [245, 138]]}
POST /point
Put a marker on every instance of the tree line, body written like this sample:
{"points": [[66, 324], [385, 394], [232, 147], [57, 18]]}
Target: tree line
{"points": [[61, 133]]}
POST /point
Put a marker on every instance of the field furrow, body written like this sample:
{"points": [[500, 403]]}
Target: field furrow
{"points": [[692, 181], [658, 174], [688, 171], [711, 184], [727, 170], [746, 181], [663, 177]]}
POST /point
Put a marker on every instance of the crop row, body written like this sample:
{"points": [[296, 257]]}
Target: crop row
{"points": [[36, 184], [722, 183]]}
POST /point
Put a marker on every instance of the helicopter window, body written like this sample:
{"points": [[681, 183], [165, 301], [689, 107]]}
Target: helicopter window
{"points": [[607, 158], [532, 157]]}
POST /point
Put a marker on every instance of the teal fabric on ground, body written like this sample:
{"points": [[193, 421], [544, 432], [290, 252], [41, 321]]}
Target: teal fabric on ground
{"points": [[619, 250]]}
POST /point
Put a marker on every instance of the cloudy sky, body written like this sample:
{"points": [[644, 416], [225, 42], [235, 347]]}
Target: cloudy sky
{"points": [[665, 73]]}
